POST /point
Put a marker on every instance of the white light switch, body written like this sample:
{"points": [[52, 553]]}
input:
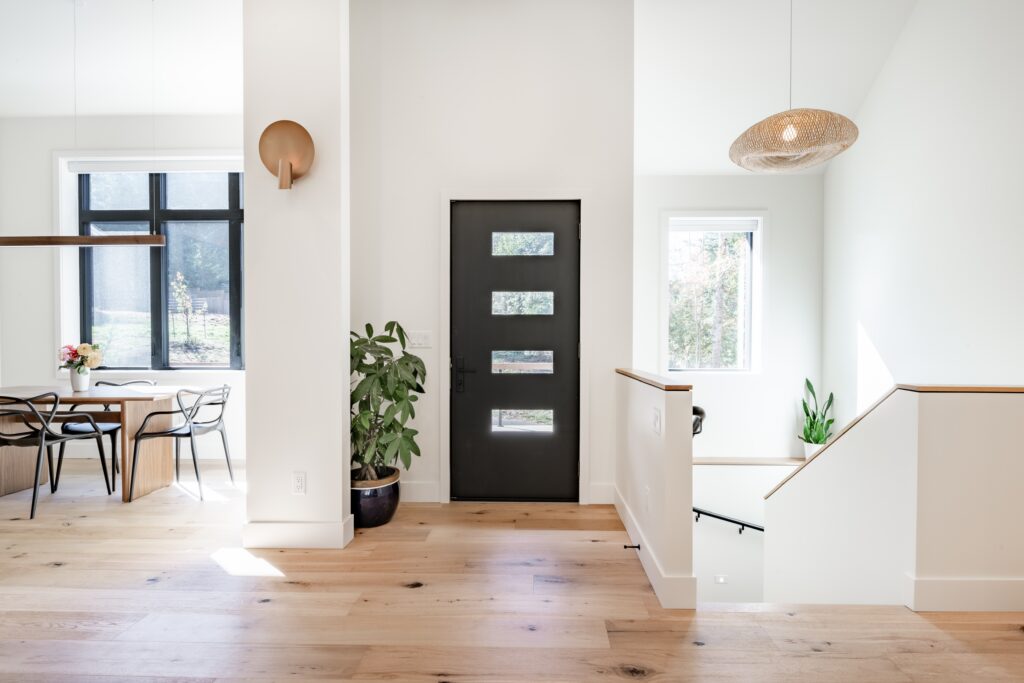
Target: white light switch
{"points": [[656, 421], [420, 339]]}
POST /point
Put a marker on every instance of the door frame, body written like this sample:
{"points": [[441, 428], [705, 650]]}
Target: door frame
{"points": [[445, 199]]}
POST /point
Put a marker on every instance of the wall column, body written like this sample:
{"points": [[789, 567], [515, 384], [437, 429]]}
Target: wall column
{"points": [[297, 278]]}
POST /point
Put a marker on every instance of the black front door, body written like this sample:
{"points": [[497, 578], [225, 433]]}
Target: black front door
{"points": [[515, 316]]}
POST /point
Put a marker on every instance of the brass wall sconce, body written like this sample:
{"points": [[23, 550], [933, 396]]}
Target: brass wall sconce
{"points": [[286, 149]]}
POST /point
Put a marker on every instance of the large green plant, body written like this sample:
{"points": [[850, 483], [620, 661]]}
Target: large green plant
{"points": [[384, 388], [817, 423]]}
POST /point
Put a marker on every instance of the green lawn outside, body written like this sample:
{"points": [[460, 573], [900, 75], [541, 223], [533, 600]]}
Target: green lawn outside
{"points": [[125, 338]]}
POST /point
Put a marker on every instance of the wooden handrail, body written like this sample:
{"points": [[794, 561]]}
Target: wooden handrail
{"points": [[917, 388], [656, 381]]}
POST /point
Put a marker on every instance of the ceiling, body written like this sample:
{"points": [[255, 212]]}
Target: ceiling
{"points": [[706, 70], [134, 57]]}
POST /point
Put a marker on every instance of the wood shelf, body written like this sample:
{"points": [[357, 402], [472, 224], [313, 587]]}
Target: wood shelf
{"points": [[753, 462], [83, 241]]}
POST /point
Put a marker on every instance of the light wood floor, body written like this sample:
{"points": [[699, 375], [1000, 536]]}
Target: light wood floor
{"points": [[159, 590]]}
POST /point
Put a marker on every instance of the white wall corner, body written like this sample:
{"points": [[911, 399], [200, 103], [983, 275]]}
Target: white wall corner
{"points": [[673, 591], [601, 493]]}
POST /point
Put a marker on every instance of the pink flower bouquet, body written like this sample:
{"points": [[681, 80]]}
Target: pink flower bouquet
{"points": [[81, 358]]}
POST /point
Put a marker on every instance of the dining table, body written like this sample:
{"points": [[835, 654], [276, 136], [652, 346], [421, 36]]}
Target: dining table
{"points": [[128, 405]]}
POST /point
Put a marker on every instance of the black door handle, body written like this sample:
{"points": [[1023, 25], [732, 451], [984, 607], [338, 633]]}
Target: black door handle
{"points": [[459, 367]]}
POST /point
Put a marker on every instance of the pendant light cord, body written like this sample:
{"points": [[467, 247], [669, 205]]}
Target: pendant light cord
{"points": [[153, 74], [74, 74], [790, 54]]}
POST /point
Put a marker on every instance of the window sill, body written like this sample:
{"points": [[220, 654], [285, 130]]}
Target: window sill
{"points": [[170, 375]]}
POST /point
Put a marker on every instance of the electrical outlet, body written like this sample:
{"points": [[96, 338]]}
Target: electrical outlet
{"points": [[420, 339], [656, 421], [721, 578], [299, 483]]}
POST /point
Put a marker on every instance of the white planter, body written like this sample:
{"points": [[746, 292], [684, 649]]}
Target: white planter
{"points": [[80, 380], [811, 448]]}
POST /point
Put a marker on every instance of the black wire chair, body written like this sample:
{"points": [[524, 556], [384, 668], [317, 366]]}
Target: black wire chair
{"points": [[698, 420], [111, 429], [190, 406], [36, 430]]}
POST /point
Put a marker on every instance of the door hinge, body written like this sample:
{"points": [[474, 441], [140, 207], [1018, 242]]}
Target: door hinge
{"points": [[579, 231]]}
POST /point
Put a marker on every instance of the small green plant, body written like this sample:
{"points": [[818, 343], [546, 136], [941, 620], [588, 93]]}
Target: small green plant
{"points": [[816, 422], [384, 388]]}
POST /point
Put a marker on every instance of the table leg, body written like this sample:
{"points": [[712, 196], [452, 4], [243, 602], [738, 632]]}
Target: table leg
{"points": [[156, 464], [17, 465]]}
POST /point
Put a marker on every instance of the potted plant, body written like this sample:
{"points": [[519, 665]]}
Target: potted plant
{"points": [[79, 360], [817, 423], [384, 385]]}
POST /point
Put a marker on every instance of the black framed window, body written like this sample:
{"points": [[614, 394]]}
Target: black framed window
{"points": [[174, 307]]}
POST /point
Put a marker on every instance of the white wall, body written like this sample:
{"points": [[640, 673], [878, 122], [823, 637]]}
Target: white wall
{"points": [[29, 333], [484, 100], [970, 550], [296, 258], [654, 485], [718, 549], [842, 530], [923, 226], [916, 505], [750, 414]]}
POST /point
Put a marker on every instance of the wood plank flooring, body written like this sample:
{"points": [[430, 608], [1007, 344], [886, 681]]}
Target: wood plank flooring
{"points": [[95, 591]]}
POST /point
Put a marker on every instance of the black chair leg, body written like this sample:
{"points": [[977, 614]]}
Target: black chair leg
{"points": [[103, 463], [39, 473], [135, 468], [50, 470], [195, 463], [227, 453], [60, 465], [114, 469], [177, 459]]}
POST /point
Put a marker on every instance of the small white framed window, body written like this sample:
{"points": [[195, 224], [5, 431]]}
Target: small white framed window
{"points": [[711, 282]]}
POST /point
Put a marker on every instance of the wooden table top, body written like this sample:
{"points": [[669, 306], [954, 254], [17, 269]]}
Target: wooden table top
{"points": [[95, 395]]}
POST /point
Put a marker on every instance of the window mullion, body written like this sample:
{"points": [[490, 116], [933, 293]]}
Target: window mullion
{"points": [[157, 278]]}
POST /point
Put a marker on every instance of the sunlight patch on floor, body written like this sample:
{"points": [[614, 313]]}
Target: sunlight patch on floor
{"points": [[240, 562]]}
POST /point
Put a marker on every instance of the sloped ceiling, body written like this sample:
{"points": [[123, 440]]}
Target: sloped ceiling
{"points": [[708, 69]]}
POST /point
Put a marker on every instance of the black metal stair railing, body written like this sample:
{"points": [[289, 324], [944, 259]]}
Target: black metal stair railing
{"points": [[698, 425]]}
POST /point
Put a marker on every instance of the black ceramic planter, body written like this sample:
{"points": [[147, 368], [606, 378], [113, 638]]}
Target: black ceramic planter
{"points": [[374, 502]]}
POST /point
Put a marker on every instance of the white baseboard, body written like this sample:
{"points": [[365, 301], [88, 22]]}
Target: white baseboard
{"points": [[966, 595], [298, 534], [420, 491], [602, 493], [673, 591]]}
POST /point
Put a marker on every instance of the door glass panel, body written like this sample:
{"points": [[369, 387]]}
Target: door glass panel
{"points": [[113, 191], [538, 421], [522, 362], [522, 244], [522, 303], [121, 322]]}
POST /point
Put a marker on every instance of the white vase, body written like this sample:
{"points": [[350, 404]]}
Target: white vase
{"points": [[80, 380], [811, 448]]}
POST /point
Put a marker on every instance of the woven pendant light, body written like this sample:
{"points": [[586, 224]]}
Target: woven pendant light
{"points": [[793, 139]]}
